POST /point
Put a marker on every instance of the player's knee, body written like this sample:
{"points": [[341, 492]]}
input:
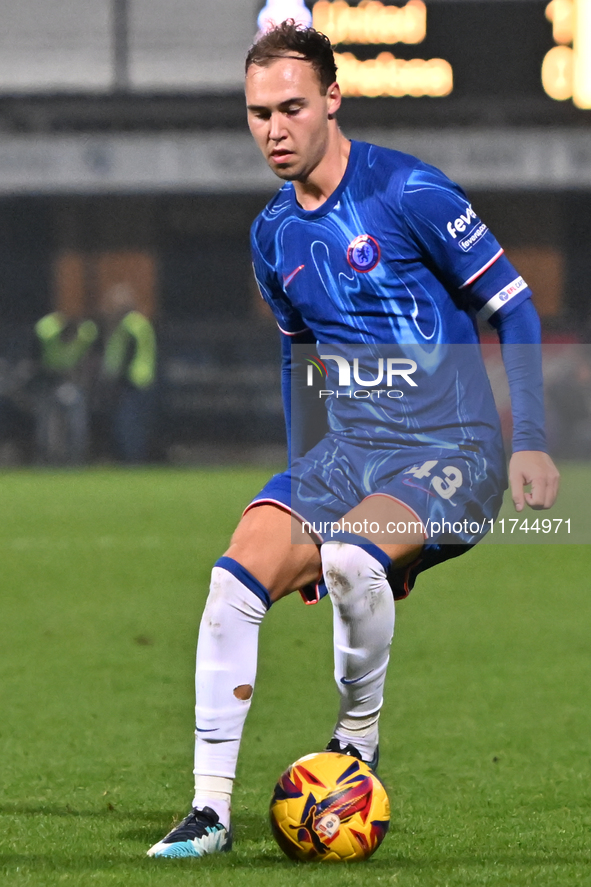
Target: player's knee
{"points": [[216, 607], [353, 577], [227, 598]]}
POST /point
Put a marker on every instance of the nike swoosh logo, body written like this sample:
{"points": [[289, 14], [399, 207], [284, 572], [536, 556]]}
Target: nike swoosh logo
{"points": [[354, 680], [214, 730], [287, 280]]}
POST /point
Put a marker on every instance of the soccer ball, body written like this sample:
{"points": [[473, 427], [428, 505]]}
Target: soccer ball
{"points": [[329, 807]]}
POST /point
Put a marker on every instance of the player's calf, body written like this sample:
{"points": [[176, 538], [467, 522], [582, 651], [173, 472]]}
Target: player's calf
{"points": [[224, 682], [226, 670], [363, 608]]}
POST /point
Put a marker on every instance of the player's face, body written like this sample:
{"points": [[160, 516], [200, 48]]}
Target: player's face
{"points": [[289, 117]]}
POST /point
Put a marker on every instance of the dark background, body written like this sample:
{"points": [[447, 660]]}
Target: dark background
{"points": [[209, 318]]}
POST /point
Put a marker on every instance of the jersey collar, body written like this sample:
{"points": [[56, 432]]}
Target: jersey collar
{"points": [[334, 198]]}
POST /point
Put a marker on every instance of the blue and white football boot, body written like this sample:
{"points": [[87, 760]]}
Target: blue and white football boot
{"points": [[335, 746], [199, 834]]}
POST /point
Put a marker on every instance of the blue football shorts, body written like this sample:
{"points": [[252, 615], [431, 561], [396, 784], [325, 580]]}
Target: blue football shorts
{"points": [[454, 493]]}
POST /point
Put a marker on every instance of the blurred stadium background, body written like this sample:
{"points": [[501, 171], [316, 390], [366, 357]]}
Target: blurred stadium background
{"points": [[125, 161]]}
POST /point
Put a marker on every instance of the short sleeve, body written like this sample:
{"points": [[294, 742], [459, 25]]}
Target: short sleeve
{"points": [[289, 320], [446, 228]]}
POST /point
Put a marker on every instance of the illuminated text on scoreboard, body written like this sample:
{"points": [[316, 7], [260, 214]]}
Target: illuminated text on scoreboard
{"points": [[372, 22], [566, 70]]}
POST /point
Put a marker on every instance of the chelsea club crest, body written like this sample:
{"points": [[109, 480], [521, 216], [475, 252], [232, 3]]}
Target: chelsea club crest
{"points": [[363, 253]]}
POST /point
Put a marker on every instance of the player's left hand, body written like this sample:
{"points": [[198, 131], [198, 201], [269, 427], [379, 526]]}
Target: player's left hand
{"points": [[532, 467]]}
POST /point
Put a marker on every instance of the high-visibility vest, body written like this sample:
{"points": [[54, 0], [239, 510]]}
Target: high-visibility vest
{"points": [[59, 354], [134, 335]]}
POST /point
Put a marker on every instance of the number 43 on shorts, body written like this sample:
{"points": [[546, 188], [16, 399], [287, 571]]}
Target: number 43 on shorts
{"points": [[445, 486]]}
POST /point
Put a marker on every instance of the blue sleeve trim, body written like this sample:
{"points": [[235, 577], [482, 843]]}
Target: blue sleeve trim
{"points": [[247, 579]]}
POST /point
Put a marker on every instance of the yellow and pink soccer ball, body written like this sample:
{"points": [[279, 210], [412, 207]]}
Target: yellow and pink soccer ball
{"points": [[329, 807]]}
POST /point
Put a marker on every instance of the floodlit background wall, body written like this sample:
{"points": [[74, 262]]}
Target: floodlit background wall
{"points": [[73, 44], [125, 161]]}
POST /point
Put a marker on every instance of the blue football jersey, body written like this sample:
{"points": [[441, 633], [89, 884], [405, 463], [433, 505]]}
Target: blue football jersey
{"points": [[389, 259]]}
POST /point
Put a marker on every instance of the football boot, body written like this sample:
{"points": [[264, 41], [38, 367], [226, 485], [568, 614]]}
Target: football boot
{"points": [[199, 834], [335, 746]]}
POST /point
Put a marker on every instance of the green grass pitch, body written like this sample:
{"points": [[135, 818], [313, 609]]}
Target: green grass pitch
{"points": [[486, 733]]}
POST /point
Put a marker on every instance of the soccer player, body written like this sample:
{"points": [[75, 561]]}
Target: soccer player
{"points": [[362, 251]]}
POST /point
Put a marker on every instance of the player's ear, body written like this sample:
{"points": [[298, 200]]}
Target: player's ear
{"points": [[333, 99]]}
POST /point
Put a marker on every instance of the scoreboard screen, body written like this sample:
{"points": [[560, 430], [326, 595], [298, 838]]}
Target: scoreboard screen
{"points": [[515, 49]]}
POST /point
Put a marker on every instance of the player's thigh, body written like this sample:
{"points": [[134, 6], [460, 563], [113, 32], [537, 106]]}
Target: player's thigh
{"points": [[388, 523], [263, 544], [448, 499]]}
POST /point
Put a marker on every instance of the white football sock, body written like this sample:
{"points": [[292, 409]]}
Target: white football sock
{"points": [[214, 792], [226, 662], [363, 614]]}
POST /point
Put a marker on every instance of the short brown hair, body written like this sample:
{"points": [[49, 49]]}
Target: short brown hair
{"points": [[288, 39]]}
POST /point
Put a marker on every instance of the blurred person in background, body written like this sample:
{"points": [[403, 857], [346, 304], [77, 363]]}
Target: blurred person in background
{"points": [[61, 403], [568, 406], [128, 373]]}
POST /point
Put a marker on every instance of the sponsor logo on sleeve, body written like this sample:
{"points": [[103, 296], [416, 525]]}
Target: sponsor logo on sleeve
{"points": [[468, 242], [502, 297], [465, 223], [511, 290]]}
